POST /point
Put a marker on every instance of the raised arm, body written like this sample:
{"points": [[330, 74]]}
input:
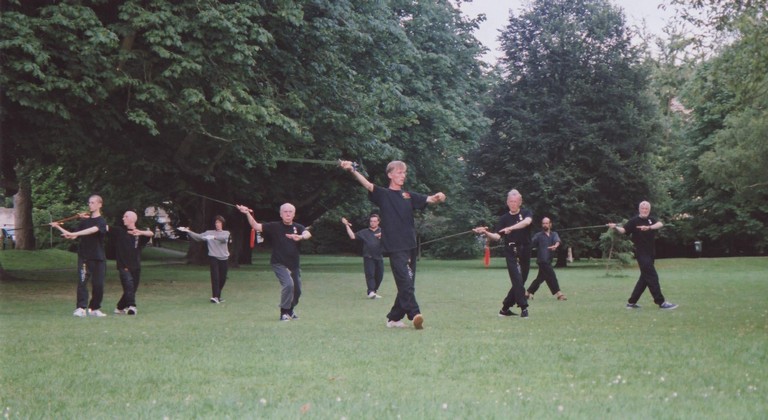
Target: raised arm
{"points": [[249, 214], [349, 227], [350, 167]]}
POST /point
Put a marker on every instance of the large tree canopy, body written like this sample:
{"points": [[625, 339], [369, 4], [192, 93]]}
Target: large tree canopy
{"points": [[572, 121], [148, 99]]}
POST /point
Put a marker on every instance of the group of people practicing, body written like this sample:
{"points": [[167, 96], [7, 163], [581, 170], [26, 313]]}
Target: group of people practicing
{"points": [[391, 232]]}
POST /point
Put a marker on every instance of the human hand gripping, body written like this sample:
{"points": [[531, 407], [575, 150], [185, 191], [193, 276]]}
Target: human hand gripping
{"points": [[244, 209]]}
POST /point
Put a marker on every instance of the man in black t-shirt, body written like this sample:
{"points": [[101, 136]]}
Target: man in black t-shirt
{"points": [[642, 229], [398, 236], [129, 241], [91, 261], [514, 227], [373, 260], [284, 237]]}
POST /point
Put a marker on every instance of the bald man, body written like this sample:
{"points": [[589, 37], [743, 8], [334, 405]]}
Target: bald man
{"points": [[642, 229], [129, 241]]}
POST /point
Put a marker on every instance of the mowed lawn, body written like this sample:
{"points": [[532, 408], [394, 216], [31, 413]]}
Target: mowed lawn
{"points": [[183, 357]]}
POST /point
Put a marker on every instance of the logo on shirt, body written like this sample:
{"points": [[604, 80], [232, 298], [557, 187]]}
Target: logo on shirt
{"points": [[406, 196]]}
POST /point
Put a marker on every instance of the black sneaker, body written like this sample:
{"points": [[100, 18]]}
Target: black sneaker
{"points": [[524, 313], [633, 306], [506, 312]]}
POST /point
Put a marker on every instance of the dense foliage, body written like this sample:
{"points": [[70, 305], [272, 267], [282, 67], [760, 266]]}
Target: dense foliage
{"points": [[149, 99], [573, 124]]}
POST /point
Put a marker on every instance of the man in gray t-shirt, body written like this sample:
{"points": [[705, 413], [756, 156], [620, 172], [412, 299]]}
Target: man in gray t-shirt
{"points": [[373, 260]]}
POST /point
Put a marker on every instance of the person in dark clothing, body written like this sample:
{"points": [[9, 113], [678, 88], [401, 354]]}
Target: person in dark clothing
{"points": [[284, 236], [546, 242], [129, 241], [514, 228], [642, 229], [91, 260], [373, 261], [398, 237], [218, 254]]}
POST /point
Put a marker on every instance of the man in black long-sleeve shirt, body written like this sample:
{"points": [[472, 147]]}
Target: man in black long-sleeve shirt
{"points": [[642, 229]]}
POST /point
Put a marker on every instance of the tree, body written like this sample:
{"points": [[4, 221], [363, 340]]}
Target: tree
{"points": [[722, 157], [151, 99], [573, 124]]}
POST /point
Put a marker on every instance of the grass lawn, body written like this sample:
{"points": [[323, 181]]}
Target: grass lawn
{"points": [[183, 357]]}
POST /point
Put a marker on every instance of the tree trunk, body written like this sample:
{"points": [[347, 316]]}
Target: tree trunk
{"points": [[22, 213]]}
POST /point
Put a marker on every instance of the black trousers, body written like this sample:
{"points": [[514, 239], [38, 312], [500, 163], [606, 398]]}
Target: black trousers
{"points": [[95, 271], [648, 278], [516, 294], [524, 257], [546, 274], [129, 279], [403, 265], [374, 273], [218, 276]]}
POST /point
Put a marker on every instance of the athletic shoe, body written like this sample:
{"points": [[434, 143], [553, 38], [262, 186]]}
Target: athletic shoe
{"points": [[285, 317], [131, 310], [418, 322], [378, 296], [221, 300], [294, 316], [97, 313], [372, 295], [395, 324], [80, 312], [668, 305], [633, 306], [215, 300], [119, 311], [524, 313], [506, 312]]}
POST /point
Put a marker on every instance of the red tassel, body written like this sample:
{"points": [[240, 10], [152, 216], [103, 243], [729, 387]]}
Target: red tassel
{"points": [[253, 238], [487, 258]]}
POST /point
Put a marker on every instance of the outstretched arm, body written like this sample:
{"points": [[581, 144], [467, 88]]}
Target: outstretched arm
{"points": [[519, 225], [72, 235], [436, 198], [249, 214], [482, 230], [350, 167], [349, 227], [617, 227]]}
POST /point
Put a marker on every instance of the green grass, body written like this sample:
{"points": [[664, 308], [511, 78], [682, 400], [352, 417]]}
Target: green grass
{"points": [[183, 357]]}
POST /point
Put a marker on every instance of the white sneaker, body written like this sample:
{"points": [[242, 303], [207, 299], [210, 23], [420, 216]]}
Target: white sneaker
{"points": [[79, 312], [97, 313], [131, 310], [215, 300], [372, 295], [378, 296], [119, 311], [285, 317], [395, 324]]}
